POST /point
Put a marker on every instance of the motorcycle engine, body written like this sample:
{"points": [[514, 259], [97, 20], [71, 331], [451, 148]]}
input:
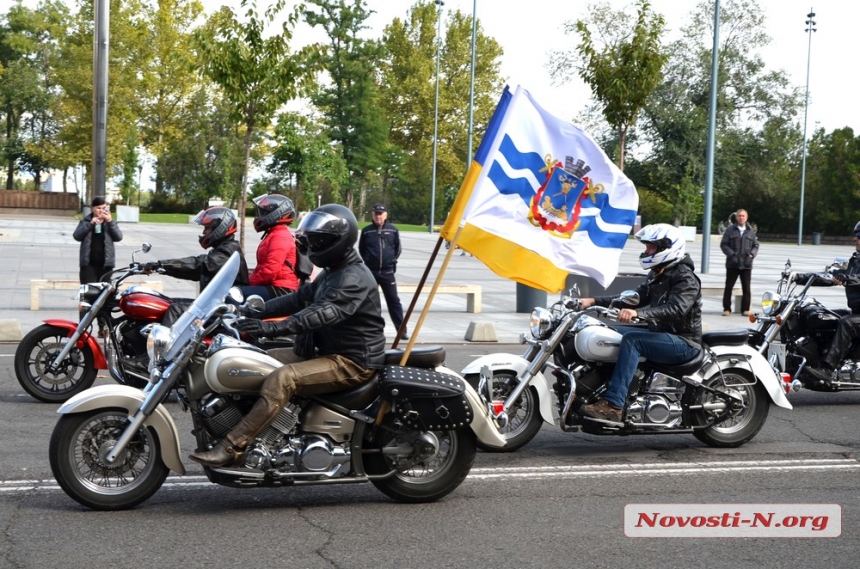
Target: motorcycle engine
{"points": [[659, 403]]}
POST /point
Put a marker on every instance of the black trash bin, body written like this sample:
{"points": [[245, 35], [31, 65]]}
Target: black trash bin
{"points": [[529, 297], [588, 287], [816, 239]]}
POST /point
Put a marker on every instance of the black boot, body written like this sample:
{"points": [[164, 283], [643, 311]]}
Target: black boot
{"points": [[824, 373]]}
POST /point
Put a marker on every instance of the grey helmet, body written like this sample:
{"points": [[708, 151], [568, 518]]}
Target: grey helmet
{"points": [[222, 223], [273, 209]]}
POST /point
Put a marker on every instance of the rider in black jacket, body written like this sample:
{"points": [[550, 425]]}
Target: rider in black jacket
{"points": [[671, 301], [338, 321], [849, 325]]}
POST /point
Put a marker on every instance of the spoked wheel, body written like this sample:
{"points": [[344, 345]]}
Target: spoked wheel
{"points": [[524, 419], [78, 450], [750, 409], [445, 460], [36, 374]]}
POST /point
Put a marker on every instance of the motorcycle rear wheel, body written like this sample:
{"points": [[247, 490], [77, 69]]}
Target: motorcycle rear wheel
{"points": [[429, 480], [77, 452], [524, 418], [35, 353], [746, 423]]}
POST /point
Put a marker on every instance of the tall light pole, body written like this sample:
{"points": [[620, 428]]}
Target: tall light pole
{"points": [[439, 3], [810, 27]]}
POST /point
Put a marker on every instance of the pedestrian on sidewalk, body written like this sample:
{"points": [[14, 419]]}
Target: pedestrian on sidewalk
{"points": [[740, 246], [379, 247], [97, 232]]}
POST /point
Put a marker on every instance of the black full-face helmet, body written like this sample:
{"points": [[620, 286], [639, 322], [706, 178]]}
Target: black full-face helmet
{"points": [[857, 228], [273, 209], [220, 222], [326, 234]]}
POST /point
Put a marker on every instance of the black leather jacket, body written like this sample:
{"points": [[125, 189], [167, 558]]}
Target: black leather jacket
{"points": [[739, 248], [673, 299], [203, 267], [850, 277], [340, 308]]}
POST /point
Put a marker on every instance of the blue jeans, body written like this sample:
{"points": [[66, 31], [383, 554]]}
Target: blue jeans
{"points": [[658, 347]]}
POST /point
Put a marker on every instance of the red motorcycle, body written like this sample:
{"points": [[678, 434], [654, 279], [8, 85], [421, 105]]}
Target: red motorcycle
{"points": [[61, 358]]}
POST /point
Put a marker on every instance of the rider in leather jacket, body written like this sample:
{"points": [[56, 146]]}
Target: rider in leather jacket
{"points": [[337, 318], [849, 325], [671, 300]]}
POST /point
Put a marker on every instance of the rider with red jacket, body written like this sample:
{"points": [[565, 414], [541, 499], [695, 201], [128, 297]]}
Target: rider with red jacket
{"points": [[274, 274]]}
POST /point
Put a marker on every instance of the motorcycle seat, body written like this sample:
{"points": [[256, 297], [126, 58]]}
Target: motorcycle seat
{"points": [[735, 337], [358, 397], [685, 368], [423, 356]]}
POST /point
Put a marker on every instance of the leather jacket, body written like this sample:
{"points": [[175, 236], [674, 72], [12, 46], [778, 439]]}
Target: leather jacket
{"points": [[850, 277], [203, 267], [340, 309], [672, 299], [84, 233], [739, 248]]}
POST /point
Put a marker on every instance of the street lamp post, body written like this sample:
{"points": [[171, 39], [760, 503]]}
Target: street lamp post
{"points": [[439, 3], [810, 27]]}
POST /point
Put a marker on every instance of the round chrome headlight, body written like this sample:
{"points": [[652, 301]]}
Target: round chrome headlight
{"points": [[540, 323], [157, 343], [770, 303]]}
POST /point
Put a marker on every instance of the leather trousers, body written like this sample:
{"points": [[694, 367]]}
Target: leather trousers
{"points": [[324, 374], [846, 331]]}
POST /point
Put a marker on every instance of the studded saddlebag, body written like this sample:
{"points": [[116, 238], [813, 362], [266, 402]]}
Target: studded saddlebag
{"points": [[426, 399]]}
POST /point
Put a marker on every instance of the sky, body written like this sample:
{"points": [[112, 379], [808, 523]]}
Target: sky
{"points": [[529, 29]]}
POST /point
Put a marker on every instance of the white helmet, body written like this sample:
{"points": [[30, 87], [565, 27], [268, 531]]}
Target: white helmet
{"points": [[669, 241]]}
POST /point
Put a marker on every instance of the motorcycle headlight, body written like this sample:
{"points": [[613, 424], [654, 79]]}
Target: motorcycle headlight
{"points": [[770, 303], [540, 323], [157, 343]]}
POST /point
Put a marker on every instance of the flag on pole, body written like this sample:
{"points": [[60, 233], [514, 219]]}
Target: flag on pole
{"points": [[542, 200]]}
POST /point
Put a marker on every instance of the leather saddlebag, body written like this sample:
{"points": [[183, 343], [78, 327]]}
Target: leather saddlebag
{"points": [[426, 399]]}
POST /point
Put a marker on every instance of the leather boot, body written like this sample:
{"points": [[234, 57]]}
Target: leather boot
{"points": [[221, 454], [823, 374]]}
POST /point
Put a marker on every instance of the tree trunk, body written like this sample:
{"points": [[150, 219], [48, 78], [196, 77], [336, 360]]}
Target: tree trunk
{"points": [[622, 146]]}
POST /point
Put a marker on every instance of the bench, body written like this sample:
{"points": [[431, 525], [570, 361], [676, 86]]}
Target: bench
{"points": [[472, 292], [37, 285], [737, 294]]}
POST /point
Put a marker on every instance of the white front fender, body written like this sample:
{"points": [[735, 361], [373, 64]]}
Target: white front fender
{"points": [[517, 365], [761, 368], [128, 398], [483, 425]]}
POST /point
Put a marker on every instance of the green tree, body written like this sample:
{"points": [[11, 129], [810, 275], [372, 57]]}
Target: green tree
{"points": [[408, 97], [128, 184], [170, 77], [350, 101], [256, 71], [622, 64]]}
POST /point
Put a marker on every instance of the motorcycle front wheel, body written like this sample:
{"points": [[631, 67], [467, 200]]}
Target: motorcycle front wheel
{"points": [[33, 359], [524, 419], [79, 445], [428, 479], [746, 422]]}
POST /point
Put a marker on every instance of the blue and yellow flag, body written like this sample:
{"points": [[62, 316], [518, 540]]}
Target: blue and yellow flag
{"points": [[542, 200]]}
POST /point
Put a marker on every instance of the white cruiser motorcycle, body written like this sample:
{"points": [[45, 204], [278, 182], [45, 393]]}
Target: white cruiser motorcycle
{"points": [[410, 431], [722, 396]]}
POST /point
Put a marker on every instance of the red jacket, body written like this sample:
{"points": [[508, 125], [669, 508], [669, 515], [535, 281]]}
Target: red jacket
{"points": [[277, 247]]}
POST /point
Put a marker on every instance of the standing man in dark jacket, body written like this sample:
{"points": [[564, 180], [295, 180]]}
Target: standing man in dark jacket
{"points": [[379, 247], [97, 232], [337, 318], [671, 300], [740, 246]]}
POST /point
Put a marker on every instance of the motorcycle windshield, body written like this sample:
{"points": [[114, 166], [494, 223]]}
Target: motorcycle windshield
{"points": [[212, 296]]}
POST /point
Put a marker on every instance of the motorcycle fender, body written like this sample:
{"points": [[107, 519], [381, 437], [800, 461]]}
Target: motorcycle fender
{"points": [[517, 365], [129, 398], [760, 367], [482, 425], [92, 342]]}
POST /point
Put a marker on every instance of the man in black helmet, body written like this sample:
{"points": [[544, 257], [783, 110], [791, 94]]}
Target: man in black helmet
{"points": [[849, 325], [337, 320]]}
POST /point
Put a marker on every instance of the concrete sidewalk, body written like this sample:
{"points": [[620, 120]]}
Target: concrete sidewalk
{"points": [[42, 247]]}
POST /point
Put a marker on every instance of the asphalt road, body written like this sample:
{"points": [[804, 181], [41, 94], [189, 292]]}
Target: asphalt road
{"points": [[558, 502]]}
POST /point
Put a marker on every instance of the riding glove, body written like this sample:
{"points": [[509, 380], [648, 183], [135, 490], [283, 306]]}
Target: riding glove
{"points": [[257, 328]]}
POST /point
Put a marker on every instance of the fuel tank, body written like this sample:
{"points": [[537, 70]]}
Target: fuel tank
{"points": [[236, 370], [142, 303], [598, 344]]}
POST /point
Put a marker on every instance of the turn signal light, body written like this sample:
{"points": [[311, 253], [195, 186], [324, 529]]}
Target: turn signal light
{"points": [[786, 382]]}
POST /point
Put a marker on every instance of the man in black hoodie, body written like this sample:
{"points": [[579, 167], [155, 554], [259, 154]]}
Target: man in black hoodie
{"points": [[671, 300]]}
